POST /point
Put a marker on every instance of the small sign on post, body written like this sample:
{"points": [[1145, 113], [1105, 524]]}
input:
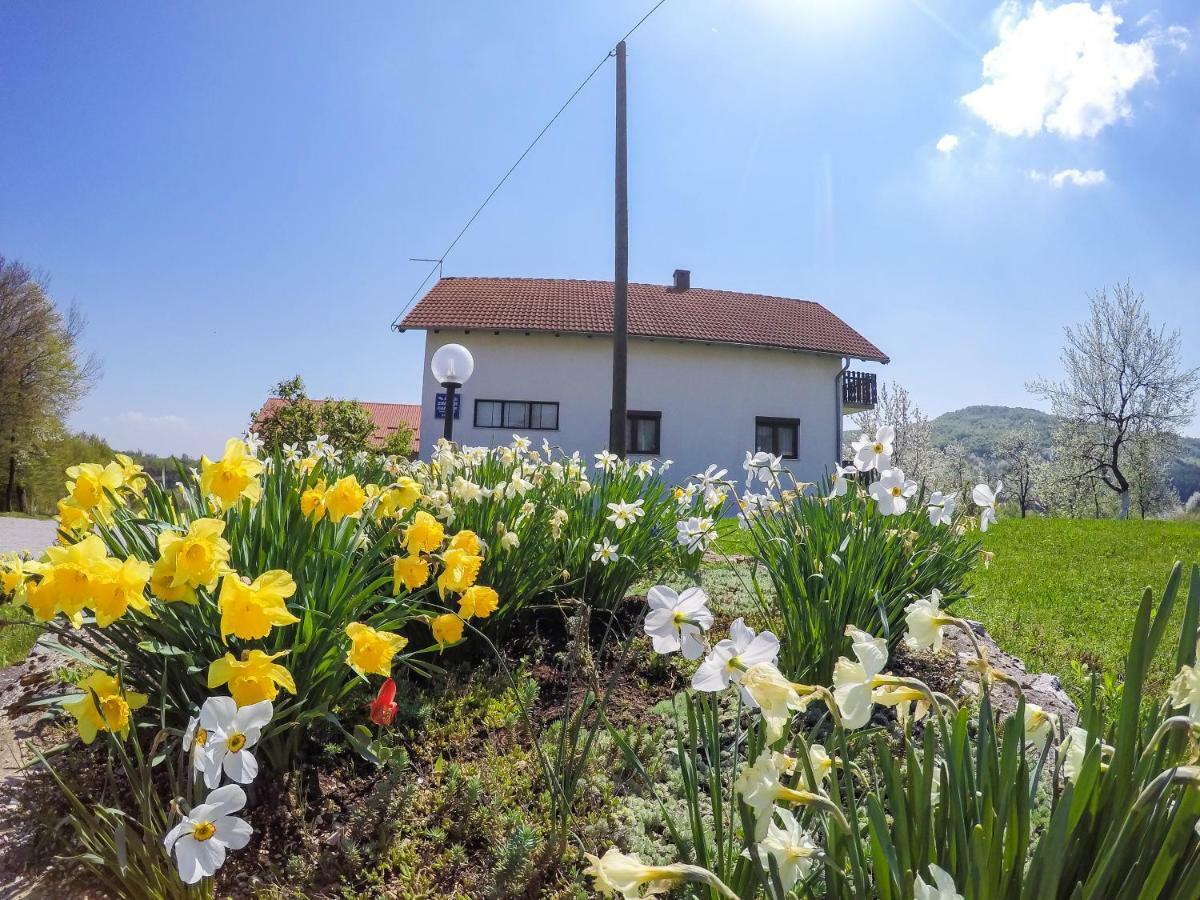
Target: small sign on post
{"points": [[439, 406]]}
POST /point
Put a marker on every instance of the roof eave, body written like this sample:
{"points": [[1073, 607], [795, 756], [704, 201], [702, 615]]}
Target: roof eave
{"points": [[883, 358]]}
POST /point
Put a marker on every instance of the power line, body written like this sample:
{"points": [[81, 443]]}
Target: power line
{"points": [[437, 263]]}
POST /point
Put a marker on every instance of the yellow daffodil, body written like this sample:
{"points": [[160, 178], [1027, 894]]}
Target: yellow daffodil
{"points": [[195, 559], [15, 573], [162, 586], [371, 651], [424, 535], [459, 572], [90, 481], [72, 517], [233, 476], [118, 587], [467, 541], [447, 629], [250, 610], [72, 572], [40, 602], [410, 572], [113, 713], [397, 498], [345, 498], [478, 600], [312, 502], [132, 474], [253, 678]]}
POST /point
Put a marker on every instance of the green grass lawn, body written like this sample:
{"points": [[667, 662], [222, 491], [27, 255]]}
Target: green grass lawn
{"points": [[17, 638], [1064, 591]]}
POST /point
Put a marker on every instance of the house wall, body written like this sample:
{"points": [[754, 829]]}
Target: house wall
{"points": [[709, 395]]}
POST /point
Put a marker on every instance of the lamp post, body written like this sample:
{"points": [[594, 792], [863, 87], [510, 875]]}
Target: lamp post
{"points": [[451, 365]]}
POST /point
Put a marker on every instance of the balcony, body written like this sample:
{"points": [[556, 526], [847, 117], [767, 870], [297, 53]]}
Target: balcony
{"points": [[858, 392]]}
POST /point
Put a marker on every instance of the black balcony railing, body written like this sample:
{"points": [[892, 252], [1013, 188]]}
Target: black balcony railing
{"points": [[858, 389]]}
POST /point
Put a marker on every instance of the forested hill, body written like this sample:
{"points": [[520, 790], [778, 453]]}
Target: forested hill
{"points": [[978, 428]]}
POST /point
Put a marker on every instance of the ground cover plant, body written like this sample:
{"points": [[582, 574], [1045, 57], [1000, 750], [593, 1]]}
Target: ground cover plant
{"points": [[1060, 593], [507, 672]]}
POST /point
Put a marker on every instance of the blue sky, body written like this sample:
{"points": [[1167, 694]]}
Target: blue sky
{"points": [[231, 192]]}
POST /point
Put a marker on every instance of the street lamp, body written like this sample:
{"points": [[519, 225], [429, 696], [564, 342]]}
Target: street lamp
{"points": [[451, 365]]}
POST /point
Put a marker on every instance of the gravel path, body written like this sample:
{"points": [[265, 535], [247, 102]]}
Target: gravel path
{"points": [[34, 535]]}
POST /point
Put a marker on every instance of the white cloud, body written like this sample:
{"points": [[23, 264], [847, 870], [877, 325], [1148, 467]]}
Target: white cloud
{"points": [[1075, 177], [1062, 70], [947, 144]]}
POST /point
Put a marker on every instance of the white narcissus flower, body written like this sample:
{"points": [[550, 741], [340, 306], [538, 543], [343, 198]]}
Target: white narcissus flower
{"points": [[676, 621], [775, 696], [838, 480], [225, 736], [985, 499], [1185, 690], [519, 487], [521, 444], [623, 514], [253, 443], [818, 759], [291, 454], [792, 848], [644, 469], [731, 657], [605, 552], [925, 620], [625, 874], [759, 787], [606, 461], [891, 492], [941, 508], [509, 540], [1073, 751], [695, 533], [942, 888], [765, 466], [710, 476], [876, 452], [199, 842], [1039, 725], [853, 681]]}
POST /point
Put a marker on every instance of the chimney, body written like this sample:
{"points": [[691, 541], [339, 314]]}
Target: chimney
{"points": [[683, 279]]}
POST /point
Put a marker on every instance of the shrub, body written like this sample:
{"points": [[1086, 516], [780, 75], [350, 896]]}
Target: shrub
{"points": [[835, 560]]}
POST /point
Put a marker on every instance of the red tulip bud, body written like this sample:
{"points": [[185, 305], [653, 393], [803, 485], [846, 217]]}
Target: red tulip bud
{"points": [[383, 709]]}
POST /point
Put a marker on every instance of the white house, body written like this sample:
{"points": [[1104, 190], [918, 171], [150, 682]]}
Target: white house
{"points": [[712, 374]]}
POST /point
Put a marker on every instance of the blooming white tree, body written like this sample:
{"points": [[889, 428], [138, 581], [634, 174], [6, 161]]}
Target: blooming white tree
{"points": [[1123, 378]]}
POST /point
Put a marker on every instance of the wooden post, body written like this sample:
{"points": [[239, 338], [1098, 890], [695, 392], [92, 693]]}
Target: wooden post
{"points": [[616, 432]]}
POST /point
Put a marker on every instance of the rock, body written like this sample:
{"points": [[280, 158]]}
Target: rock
{"points": [[1042, 688]]}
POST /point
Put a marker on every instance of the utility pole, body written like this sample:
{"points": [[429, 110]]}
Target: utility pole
{"points": [[616, 431]]}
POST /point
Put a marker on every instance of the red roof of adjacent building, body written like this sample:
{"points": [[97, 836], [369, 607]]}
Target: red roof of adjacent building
{"points": [[655, 310], [388, 417]]}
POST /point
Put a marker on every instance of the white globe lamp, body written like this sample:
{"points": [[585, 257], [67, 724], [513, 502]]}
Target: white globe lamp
{"points": [[451, 365]]}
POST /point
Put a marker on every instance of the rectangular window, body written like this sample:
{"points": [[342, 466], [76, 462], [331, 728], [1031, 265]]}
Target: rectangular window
{"points": [[778, 436], [643, 433], [489, 413], [543, 416], [520, 414]]}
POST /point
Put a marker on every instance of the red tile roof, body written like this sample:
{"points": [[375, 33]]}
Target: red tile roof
{"points": [[655, 310], [387, 416]]}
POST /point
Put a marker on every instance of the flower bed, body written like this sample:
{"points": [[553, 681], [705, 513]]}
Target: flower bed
{"points": [[285, 622]]}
